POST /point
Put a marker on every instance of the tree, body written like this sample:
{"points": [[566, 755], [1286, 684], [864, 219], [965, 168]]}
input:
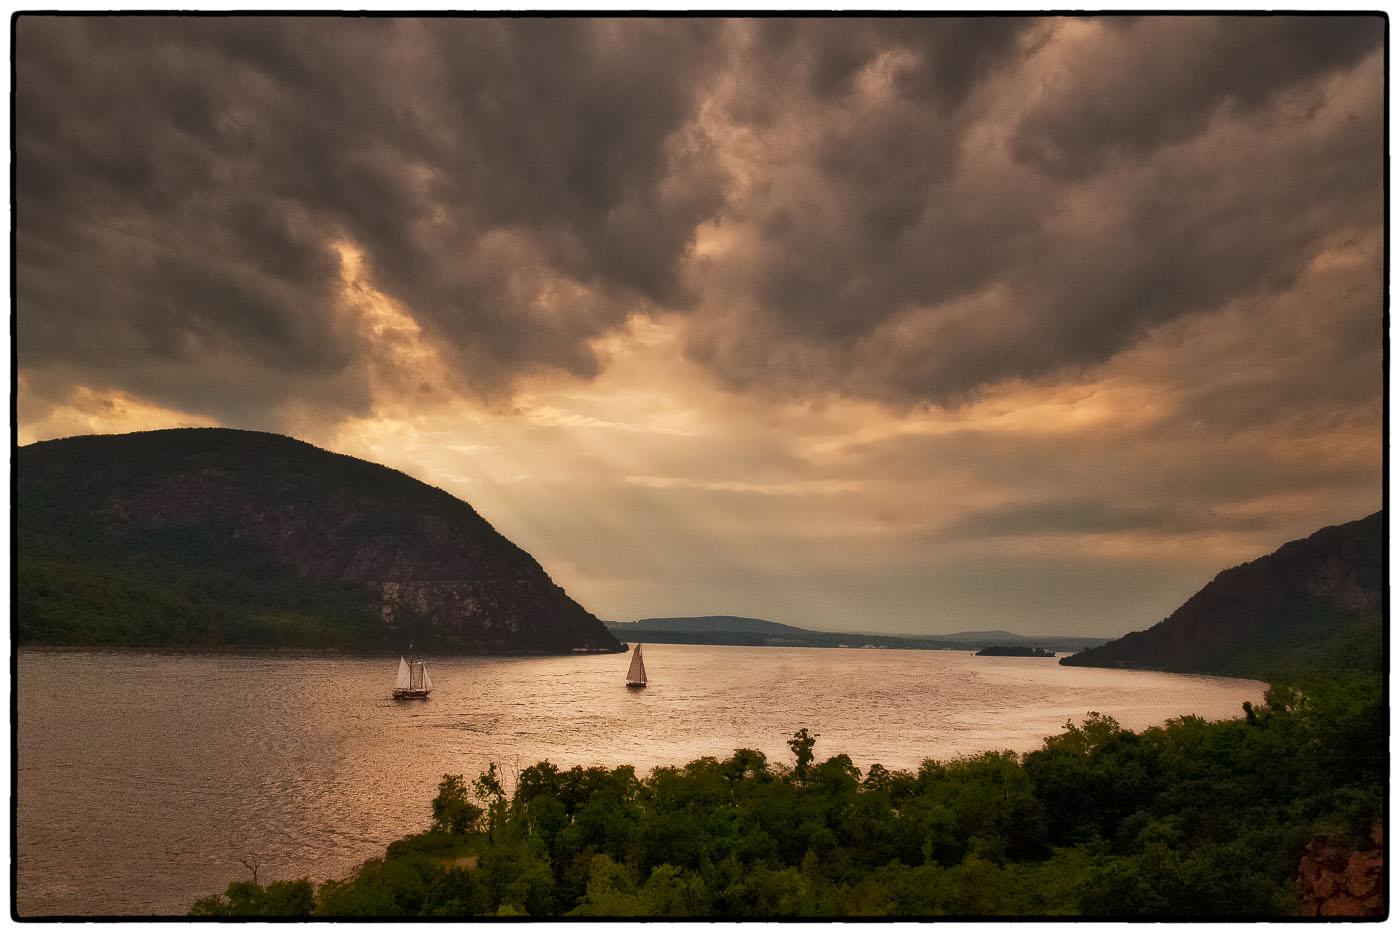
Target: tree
{"points": [[487, 788], [453, 811], [801, 744], [252, 863], [747, 763], [249, 899]]}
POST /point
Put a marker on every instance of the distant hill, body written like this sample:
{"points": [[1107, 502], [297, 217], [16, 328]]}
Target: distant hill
{"points": [[209, 536], [994, 636], [1312, 605], [739, 630], [719, 624]]}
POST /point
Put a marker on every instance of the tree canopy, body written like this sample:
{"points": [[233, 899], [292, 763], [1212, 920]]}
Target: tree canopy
{"points": [[1188, 819]]}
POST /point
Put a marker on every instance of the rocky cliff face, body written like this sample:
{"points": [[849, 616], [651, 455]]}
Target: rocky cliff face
{"points": [[1338, 881], [240, 524], [1318, 598]]}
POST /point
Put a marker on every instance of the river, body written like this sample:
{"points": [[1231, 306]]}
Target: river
{"points": [[145, 780]]}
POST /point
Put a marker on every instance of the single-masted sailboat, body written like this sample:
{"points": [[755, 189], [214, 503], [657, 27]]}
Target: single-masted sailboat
{"points": [[637, 673], [413, 682]]}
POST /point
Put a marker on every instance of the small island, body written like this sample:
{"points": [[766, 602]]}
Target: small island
{"points": [[1015, 651]]}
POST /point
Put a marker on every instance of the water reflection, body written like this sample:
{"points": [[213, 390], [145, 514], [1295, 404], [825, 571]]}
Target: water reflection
{"points": [[184, 764]]}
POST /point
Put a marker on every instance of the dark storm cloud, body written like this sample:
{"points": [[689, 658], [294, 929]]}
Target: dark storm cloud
{"points": [[919, 264], [561, 133], [835, 261], [146, 241], [181, 182], [926, 207], [1160, 80], [952, 54]]}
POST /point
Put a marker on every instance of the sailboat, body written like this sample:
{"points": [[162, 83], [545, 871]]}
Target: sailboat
{"points": [[413, 682], [637, 673]]}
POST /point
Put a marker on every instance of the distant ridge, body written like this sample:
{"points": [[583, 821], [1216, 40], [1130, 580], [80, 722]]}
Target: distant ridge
{"points": [[741, 630], [1314, 605], [718, 624], [212, 536], [982, 636]]}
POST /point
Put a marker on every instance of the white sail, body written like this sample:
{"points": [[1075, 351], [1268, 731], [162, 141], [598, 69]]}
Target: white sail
{"points": [[402, 682], [427, 681], [637, 673]]}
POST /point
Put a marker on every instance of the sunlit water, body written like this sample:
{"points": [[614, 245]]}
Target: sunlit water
{"points": [[143, 779]]}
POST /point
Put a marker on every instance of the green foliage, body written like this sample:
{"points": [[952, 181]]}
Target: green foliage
{"points": [[211, 537], [434, 844], [610, 892], [1188, 819], [453, 811], [801, 744], [1313, 607], [250, 899]]}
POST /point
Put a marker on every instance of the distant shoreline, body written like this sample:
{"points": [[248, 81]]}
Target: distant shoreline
{"points": [[284, 650], [271, 650], [329, 653]]}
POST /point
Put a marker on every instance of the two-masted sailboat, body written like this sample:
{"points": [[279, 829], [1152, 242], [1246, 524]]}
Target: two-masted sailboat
{"points": [[637, 673], [413, 682]]}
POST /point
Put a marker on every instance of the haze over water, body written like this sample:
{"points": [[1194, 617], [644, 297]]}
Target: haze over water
{"points": [[143, 778]]}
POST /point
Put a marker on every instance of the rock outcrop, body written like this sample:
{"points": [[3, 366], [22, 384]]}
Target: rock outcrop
{"points": [[219, 536], [1338, 881]]}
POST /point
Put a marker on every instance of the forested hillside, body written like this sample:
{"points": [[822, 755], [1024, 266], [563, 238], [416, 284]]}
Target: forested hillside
{"points": [[1314, 604], [207, 537]]}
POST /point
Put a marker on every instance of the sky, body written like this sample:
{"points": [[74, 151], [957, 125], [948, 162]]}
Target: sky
{"points": [[886, 325]]}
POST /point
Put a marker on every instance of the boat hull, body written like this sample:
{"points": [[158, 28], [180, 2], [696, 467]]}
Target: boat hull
{"points": [[632, 686], [411, 694]]}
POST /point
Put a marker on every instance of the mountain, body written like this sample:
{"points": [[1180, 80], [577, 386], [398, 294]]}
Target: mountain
{"points": [[1312, 605], [992, 637], [210, 536], [719, 624], [739, 630]]}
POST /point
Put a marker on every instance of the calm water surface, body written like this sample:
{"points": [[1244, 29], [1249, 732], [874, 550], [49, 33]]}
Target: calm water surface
{"points": [[143, 779]]}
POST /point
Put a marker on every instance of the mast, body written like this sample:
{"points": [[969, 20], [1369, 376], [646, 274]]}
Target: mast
{"points": [[413, 680]]}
